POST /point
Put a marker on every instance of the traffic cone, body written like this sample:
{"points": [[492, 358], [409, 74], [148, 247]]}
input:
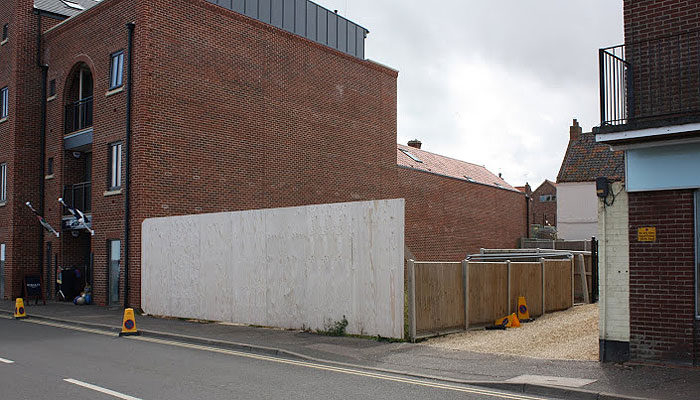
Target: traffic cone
{"points": [[20, 312], [523, 312], [129, 324], [515, 322], [510, 321]]}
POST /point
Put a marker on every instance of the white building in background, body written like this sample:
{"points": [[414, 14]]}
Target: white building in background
{"points": [[577, 202], [577, 211]]}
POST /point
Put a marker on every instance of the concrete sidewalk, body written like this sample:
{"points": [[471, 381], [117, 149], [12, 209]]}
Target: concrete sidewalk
{"points": [[609, 381]]}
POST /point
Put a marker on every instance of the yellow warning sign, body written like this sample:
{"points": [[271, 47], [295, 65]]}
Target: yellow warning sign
{"points": [[647, 234]]}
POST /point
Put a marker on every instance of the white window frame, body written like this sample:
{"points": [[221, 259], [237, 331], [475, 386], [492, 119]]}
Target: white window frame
{"points": [[4, 102], [3, 182], [116, 70], [115, 166]]}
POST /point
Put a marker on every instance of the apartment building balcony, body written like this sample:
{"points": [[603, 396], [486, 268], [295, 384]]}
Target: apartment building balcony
{"points": [[78, 115], [78, 196], [650, 90]]}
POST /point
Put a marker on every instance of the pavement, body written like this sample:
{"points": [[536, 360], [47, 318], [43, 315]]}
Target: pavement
{"points": [[562, 379]]}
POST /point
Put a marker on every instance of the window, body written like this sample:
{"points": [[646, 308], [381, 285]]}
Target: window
{"points": [[115, 166], [73, 5], [52, 88], [545, 198], [5, 29], [4, 99], [116, 70], [3, 182], [49, 167]]}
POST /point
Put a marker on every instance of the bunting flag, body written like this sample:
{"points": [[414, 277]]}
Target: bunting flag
{"points": [[42, 221], [80, 219]]}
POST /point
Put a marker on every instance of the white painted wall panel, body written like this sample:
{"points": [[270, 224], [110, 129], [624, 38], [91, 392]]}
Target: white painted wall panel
{"points": [[288, 267], [577, 211], [614, 267]]}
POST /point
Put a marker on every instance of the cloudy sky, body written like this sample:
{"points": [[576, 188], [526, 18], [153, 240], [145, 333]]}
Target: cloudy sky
{"points": [[495, 83]]}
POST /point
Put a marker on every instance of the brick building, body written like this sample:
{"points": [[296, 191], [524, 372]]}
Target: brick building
{"points": [[650, 109], [191, 108], [454, 208], [544, 204]]}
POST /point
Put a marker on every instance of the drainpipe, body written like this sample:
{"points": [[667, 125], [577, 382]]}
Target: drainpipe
{"points": [[42, 139], [129, 84], [527, 215]]}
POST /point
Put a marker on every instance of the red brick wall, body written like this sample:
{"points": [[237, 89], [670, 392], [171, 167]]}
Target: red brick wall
{"points": [[664, 63], [649, 19], [446, 218], [662, 302], [544, 212], [20, 142]]}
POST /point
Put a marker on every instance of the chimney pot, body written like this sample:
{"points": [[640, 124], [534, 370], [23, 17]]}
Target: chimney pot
{"points": [[415, 143], [575, 131]]}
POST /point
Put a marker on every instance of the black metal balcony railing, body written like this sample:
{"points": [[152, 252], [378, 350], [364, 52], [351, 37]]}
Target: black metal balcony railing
{"points": [[79, 115], [78, 196], [650, 79]]}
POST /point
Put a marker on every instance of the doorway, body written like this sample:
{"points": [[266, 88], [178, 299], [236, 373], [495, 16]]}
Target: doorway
{"points": [[114, 247], [2, 270]]}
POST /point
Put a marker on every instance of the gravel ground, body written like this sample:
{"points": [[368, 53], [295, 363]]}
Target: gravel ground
{"points": [[564, 335]]}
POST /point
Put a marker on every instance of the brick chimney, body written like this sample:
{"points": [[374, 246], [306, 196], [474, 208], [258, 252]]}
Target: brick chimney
{"points": [[575, 131], [415, 143]]}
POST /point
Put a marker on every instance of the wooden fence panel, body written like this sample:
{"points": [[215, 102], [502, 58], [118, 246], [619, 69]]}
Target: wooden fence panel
{"points": [[558, 285], [439, 297], [488, 292], [526, 280]]}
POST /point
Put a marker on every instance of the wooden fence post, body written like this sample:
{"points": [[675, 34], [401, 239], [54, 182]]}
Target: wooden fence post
{"points": [[508, 286], [573, 299], [465, 280], [412, 299], [544, 289], [584, 278]]}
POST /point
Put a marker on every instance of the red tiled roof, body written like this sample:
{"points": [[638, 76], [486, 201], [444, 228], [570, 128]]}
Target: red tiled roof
{"points": [[441, 165], [585, 160]]}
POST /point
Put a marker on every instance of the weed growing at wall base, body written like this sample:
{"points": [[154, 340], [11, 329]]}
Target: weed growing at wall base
{"points": [[334, 328]]}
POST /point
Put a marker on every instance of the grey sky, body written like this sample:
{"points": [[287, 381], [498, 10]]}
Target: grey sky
{"points": [[495, 83]]}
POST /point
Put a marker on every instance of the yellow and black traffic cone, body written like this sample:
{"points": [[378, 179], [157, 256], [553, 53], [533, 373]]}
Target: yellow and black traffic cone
{"points": [[510, 321], [523, 312], [20, 312], [129, 324]]}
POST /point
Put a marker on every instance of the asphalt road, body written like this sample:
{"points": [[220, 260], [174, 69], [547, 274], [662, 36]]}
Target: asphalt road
{"points": [[40, 361]]}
